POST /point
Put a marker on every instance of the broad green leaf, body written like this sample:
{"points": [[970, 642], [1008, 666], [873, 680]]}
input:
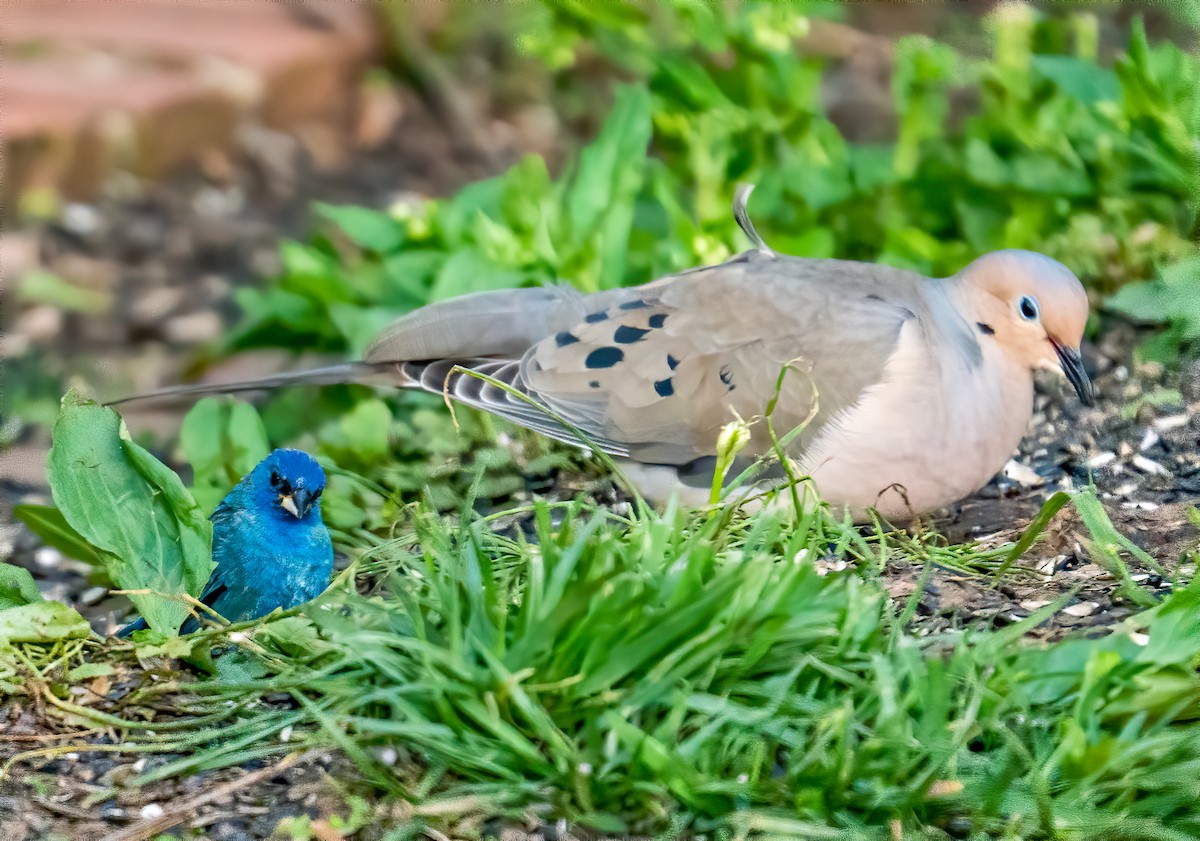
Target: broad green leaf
{"points": [[145, 526], [44, 287], [223, 439], [43, 621], [1172, 297], [409, 277], [1084, 80], [360, 325], [599, 201], [48, 523], [469, 271], [366, 429], [17, 587], [373, 230]]}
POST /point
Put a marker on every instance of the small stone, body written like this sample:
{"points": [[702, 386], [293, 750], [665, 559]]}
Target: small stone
{"points": [[81, 219], [48, 557], [1147, 465], [1189, 381], [1033, 604], [39, 324], [1081, 609], [1149, 439], [1151, 370], [93, 595], [1125, 489], [1140, 506], [1022, 474], [151, 811], [1170, 422], [194, 328], [154, 304], [1101, 459]]}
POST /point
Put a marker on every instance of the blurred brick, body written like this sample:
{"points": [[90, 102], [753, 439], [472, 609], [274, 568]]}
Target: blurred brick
{"points": [[93, 84]]}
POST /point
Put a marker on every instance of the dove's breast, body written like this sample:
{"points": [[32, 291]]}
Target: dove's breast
{"points": [[931, 432]]}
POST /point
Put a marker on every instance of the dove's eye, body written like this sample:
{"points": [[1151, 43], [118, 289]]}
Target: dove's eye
{"points": [[1028, 307]]}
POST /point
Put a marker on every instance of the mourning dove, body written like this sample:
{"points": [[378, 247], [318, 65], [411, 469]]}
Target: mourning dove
{"points": [[912, 392]]}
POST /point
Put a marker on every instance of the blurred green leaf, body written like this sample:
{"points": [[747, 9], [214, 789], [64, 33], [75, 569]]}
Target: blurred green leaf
{"points": [[43, 287], [467, 271], [370, 229], [48, 523], [17, 587], [599, 200], [1083, 80], [223, 439]]}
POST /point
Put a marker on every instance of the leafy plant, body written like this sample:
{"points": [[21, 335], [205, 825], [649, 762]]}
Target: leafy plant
{"points": [[25, 616], [131, 509], [1094, 165], [683, 674]]}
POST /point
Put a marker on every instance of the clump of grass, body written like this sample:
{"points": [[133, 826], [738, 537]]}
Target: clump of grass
{"points": [[683, 673]]}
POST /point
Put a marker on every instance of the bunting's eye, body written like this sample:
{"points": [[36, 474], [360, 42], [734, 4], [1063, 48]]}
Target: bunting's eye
{"points": [[280, 484]]}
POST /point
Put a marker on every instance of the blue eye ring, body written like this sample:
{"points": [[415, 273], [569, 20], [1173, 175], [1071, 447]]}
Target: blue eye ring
{"points": [[1028, 307]]}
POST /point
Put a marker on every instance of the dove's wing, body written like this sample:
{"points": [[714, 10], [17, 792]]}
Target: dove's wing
{"points": [[654, 372]]}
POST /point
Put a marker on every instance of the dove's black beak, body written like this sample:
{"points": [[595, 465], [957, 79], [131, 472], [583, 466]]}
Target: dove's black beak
{"points": [[1072, 365]]}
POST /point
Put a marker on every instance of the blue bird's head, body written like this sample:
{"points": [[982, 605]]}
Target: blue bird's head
{"points": [[288, 483]]}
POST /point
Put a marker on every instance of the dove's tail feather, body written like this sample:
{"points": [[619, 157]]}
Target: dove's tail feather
{"points": [[501, 323], [350, 372]]}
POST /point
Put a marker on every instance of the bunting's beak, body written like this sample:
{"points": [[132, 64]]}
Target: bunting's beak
{"points": [[297, 503], [1072, 365]]}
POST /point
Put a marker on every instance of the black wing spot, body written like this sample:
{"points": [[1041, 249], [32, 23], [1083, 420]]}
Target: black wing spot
{"points": [[657, 319], [626, 335], [594, 384], [604, 357], [565, 338], [874, 297], [634, 305], [985, 329], [672, 362], [595, 317], [664, 388], [726, 375]]}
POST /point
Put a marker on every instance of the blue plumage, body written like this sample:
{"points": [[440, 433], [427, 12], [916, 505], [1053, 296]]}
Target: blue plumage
{"points": [[270, 545]]}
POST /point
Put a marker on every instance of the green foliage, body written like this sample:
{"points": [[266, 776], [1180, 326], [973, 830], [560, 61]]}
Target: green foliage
{"points": [[17, 587], [1096, 166], [222, 439], [1173, 298], [27, 617], [680, 675], [48, 523], [134, 511]]}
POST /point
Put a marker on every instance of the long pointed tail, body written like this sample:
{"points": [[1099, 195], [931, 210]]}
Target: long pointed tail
{"points": [[350, 372]]}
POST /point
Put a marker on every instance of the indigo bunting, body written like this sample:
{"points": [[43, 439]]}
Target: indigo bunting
{"points": [[271, 548]]}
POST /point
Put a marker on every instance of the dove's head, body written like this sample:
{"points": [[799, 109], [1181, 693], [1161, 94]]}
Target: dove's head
{"points": [[1034, 307], [288, 484]]}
